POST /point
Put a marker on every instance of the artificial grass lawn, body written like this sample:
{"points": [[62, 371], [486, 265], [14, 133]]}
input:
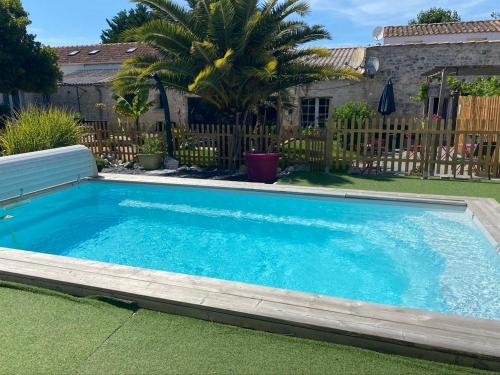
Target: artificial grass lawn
{"points": [[341, 180], [49, 333], [45, 332]]}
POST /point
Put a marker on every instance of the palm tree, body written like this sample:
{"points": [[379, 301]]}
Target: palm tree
{"points": [[232, 53], [134, 108]]}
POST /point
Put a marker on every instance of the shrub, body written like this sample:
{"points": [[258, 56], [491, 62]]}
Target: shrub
{"points": [[152, 145], [360, 111], [37, 128]]}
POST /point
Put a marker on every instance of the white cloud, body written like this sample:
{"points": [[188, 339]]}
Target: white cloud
{"points": [[59, 40], [383, 12]]}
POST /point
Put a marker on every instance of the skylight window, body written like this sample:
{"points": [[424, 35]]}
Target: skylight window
{"points": [[94, 52], [73, 53], [133, 49]]}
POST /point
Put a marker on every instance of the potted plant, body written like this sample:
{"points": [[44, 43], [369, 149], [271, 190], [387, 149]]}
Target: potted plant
{"points": [[262, 164], [151, 153]]}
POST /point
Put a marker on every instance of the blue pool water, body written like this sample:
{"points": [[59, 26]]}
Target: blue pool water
{"points": [[403, 255]]}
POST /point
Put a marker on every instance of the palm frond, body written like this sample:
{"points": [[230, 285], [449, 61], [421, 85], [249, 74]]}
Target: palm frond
{"points": [[222, 23], [205, 51], [167, 37], [301, 54], [291, 38], [288, 7], [170, 11]]}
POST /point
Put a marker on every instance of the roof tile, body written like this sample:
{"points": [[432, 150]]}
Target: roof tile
{"points": [[115, 53], [442, 28], [341, 58]]}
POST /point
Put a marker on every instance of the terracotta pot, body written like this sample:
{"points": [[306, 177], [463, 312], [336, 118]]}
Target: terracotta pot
{"points": [[150, 162], [262, 167]]}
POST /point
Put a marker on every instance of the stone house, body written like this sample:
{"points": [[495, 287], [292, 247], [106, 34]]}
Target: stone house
{"points": [[407, 65], [88, 71]]}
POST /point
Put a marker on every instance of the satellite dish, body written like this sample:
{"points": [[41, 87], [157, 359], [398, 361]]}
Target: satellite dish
{"points": [[372, 66], [378, 33]]}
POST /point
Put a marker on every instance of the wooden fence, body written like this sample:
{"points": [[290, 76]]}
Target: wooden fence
{"points": [[480, 108], [406, 146], [218, 145], [482, 112], [123, 144], [413, 146]]}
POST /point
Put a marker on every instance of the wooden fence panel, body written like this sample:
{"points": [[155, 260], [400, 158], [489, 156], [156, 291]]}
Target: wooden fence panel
{"points": [[411, 146], [408, 146]]}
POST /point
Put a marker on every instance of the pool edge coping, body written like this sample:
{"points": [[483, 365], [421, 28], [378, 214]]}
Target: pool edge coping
{"points": [[422, 334]]}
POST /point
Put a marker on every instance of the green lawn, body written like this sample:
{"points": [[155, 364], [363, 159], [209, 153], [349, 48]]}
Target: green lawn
{"points": [[44, 332], [341, 180]]}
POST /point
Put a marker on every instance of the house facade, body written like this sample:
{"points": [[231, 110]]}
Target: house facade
{"points": [[86, 88], [407, 65], [89, 71]]}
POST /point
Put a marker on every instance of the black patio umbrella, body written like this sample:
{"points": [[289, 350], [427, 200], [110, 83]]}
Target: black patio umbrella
{"points": [[387, 104]]}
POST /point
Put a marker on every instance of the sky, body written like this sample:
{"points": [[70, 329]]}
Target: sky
{"points": [[350, 22]]}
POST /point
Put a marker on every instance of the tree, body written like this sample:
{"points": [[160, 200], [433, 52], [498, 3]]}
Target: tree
{"points": [[25, 64], [235, 54], [126, 20], [495, 15], [436, 15], [135, 107]]}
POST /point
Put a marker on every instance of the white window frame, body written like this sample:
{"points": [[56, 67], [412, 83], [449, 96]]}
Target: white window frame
{"points": [[316, 110]]}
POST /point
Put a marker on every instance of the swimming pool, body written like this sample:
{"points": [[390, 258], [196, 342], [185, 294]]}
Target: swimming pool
{"points": [[417, 256]]}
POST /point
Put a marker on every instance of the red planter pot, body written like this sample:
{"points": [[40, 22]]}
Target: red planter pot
{"points": [[262, 167]]}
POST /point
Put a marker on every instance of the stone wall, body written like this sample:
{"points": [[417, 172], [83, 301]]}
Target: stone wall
{"points": [[406, 64], [96, 103]]}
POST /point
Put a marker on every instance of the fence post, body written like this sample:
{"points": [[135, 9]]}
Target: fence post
{"points": [[98, 134], [330, 130]]}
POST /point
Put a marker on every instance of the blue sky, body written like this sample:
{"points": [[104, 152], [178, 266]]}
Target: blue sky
{"points": [[74, 22]]}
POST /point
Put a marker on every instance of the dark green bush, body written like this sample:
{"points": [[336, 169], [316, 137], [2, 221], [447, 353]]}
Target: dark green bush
{"points": [[360, 111]]}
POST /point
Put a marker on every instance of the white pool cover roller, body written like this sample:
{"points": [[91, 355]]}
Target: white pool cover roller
{"points": [[34, 171]]}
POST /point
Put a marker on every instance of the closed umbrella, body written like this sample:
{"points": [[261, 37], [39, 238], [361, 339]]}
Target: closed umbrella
{"points": [[387, 104]]}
